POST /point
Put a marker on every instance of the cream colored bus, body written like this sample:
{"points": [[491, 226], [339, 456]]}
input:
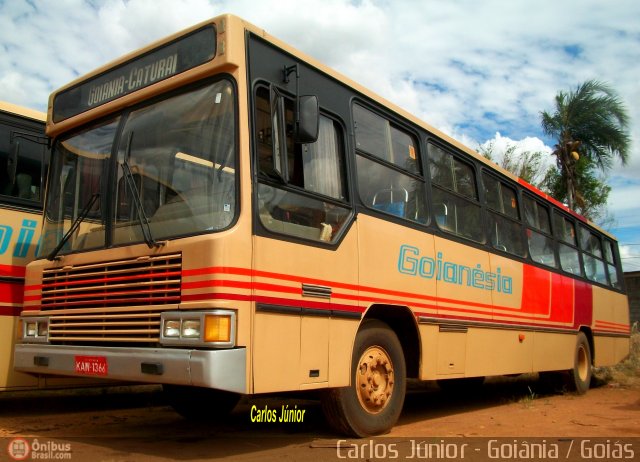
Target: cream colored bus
{"points": [[227, 216], [24, 157]]}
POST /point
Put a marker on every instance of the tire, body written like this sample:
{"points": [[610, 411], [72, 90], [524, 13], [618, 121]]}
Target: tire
{"points": [[580, 375], [373, 402], [200, 404]]}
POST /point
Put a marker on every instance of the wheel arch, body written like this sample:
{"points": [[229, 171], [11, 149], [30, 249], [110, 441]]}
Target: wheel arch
{"points": [[403, 323]]}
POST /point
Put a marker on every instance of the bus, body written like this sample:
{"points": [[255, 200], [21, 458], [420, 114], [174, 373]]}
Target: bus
{"points": [[227, 216], [24, 158], [24, 162]]}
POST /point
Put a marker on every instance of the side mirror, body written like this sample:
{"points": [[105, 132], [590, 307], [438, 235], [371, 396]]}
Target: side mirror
{"points": [[308, 119]]}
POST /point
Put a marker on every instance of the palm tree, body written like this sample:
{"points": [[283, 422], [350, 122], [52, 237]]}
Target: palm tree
{"points": [[591, 121]]}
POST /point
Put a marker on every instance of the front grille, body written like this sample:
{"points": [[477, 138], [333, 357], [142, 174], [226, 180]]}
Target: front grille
{"points": [[125, 328], [118, 301]]}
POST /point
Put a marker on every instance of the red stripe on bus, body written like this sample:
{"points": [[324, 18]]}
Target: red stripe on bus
{"points": [[12, 271], [603, 326], [478, 321], [544, 294], [110, 279], [266, 274], [32, 298], [354, 308], [111, 302], [11, 292], [275, 301], [539, 292], [612, 324], [308, 304], [10, 310]]}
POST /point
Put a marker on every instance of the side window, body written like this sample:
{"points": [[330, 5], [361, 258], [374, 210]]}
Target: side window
{"points": [[590, 242], [539, 238], [567, 244], [612, 268], [455, 195], [301, 187], [593, 264], [388, 166], [505, 230], [22, 162]]}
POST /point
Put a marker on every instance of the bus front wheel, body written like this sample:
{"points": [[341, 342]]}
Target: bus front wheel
{"points": [[580, 375], [372, 403]]}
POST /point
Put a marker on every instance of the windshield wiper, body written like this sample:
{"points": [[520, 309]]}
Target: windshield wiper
{"points": [[79, 219], [131, 182]]}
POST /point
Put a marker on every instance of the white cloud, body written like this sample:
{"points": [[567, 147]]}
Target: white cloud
{"points": [[630, 255]]}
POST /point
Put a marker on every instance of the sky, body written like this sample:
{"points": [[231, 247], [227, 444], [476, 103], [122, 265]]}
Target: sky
{"points": [[481, 71]]}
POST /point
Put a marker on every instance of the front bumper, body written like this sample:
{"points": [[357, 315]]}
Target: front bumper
{"points": [[220, 369]]}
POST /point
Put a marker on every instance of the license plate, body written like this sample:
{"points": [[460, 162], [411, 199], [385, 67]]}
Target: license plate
{"points": [[91, 365]]}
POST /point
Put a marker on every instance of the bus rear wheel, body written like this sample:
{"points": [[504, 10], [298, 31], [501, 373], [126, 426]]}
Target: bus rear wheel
{"points": [[372, 403], [580, 375], [200, 404]]}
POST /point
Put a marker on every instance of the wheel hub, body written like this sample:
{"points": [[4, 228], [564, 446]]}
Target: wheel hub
{"points": [[374, 379]]}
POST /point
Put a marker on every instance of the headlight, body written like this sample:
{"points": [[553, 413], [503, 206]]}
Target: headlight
{"points": [[171, 328], [214, 329], [31, 329], [34, 330], [191, 328]]}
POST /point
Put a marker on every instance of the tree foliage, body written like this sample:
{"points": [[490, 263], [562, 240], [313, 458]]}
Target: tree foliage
{"points": [[590, 125], [527, 165], [591, 191]]}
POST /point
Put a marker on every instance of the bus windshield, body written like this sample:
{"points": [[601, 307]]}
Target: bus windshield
{"points": [[173, 174]]}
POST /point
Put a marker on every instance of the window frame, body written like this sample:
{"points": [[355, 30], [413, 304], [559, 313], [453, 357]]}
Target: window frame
{"points": [[529, 228], [454, 193], [485, 173], [422, 216], [587, 254], [557, 214], [19, 127], [614, 263], [282, 181]]}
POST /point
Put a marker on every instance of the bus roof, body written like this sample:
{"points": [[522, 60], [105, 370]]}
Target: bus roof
{"points": [[22, 111]]}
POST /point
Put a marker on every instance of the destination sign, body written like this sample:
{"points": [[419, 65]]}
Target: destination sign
{"points": [[168, 60]]}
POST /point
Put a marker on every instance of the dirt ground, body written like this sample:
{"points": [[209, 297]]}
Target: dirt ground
{"points": [[135, 424]]}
